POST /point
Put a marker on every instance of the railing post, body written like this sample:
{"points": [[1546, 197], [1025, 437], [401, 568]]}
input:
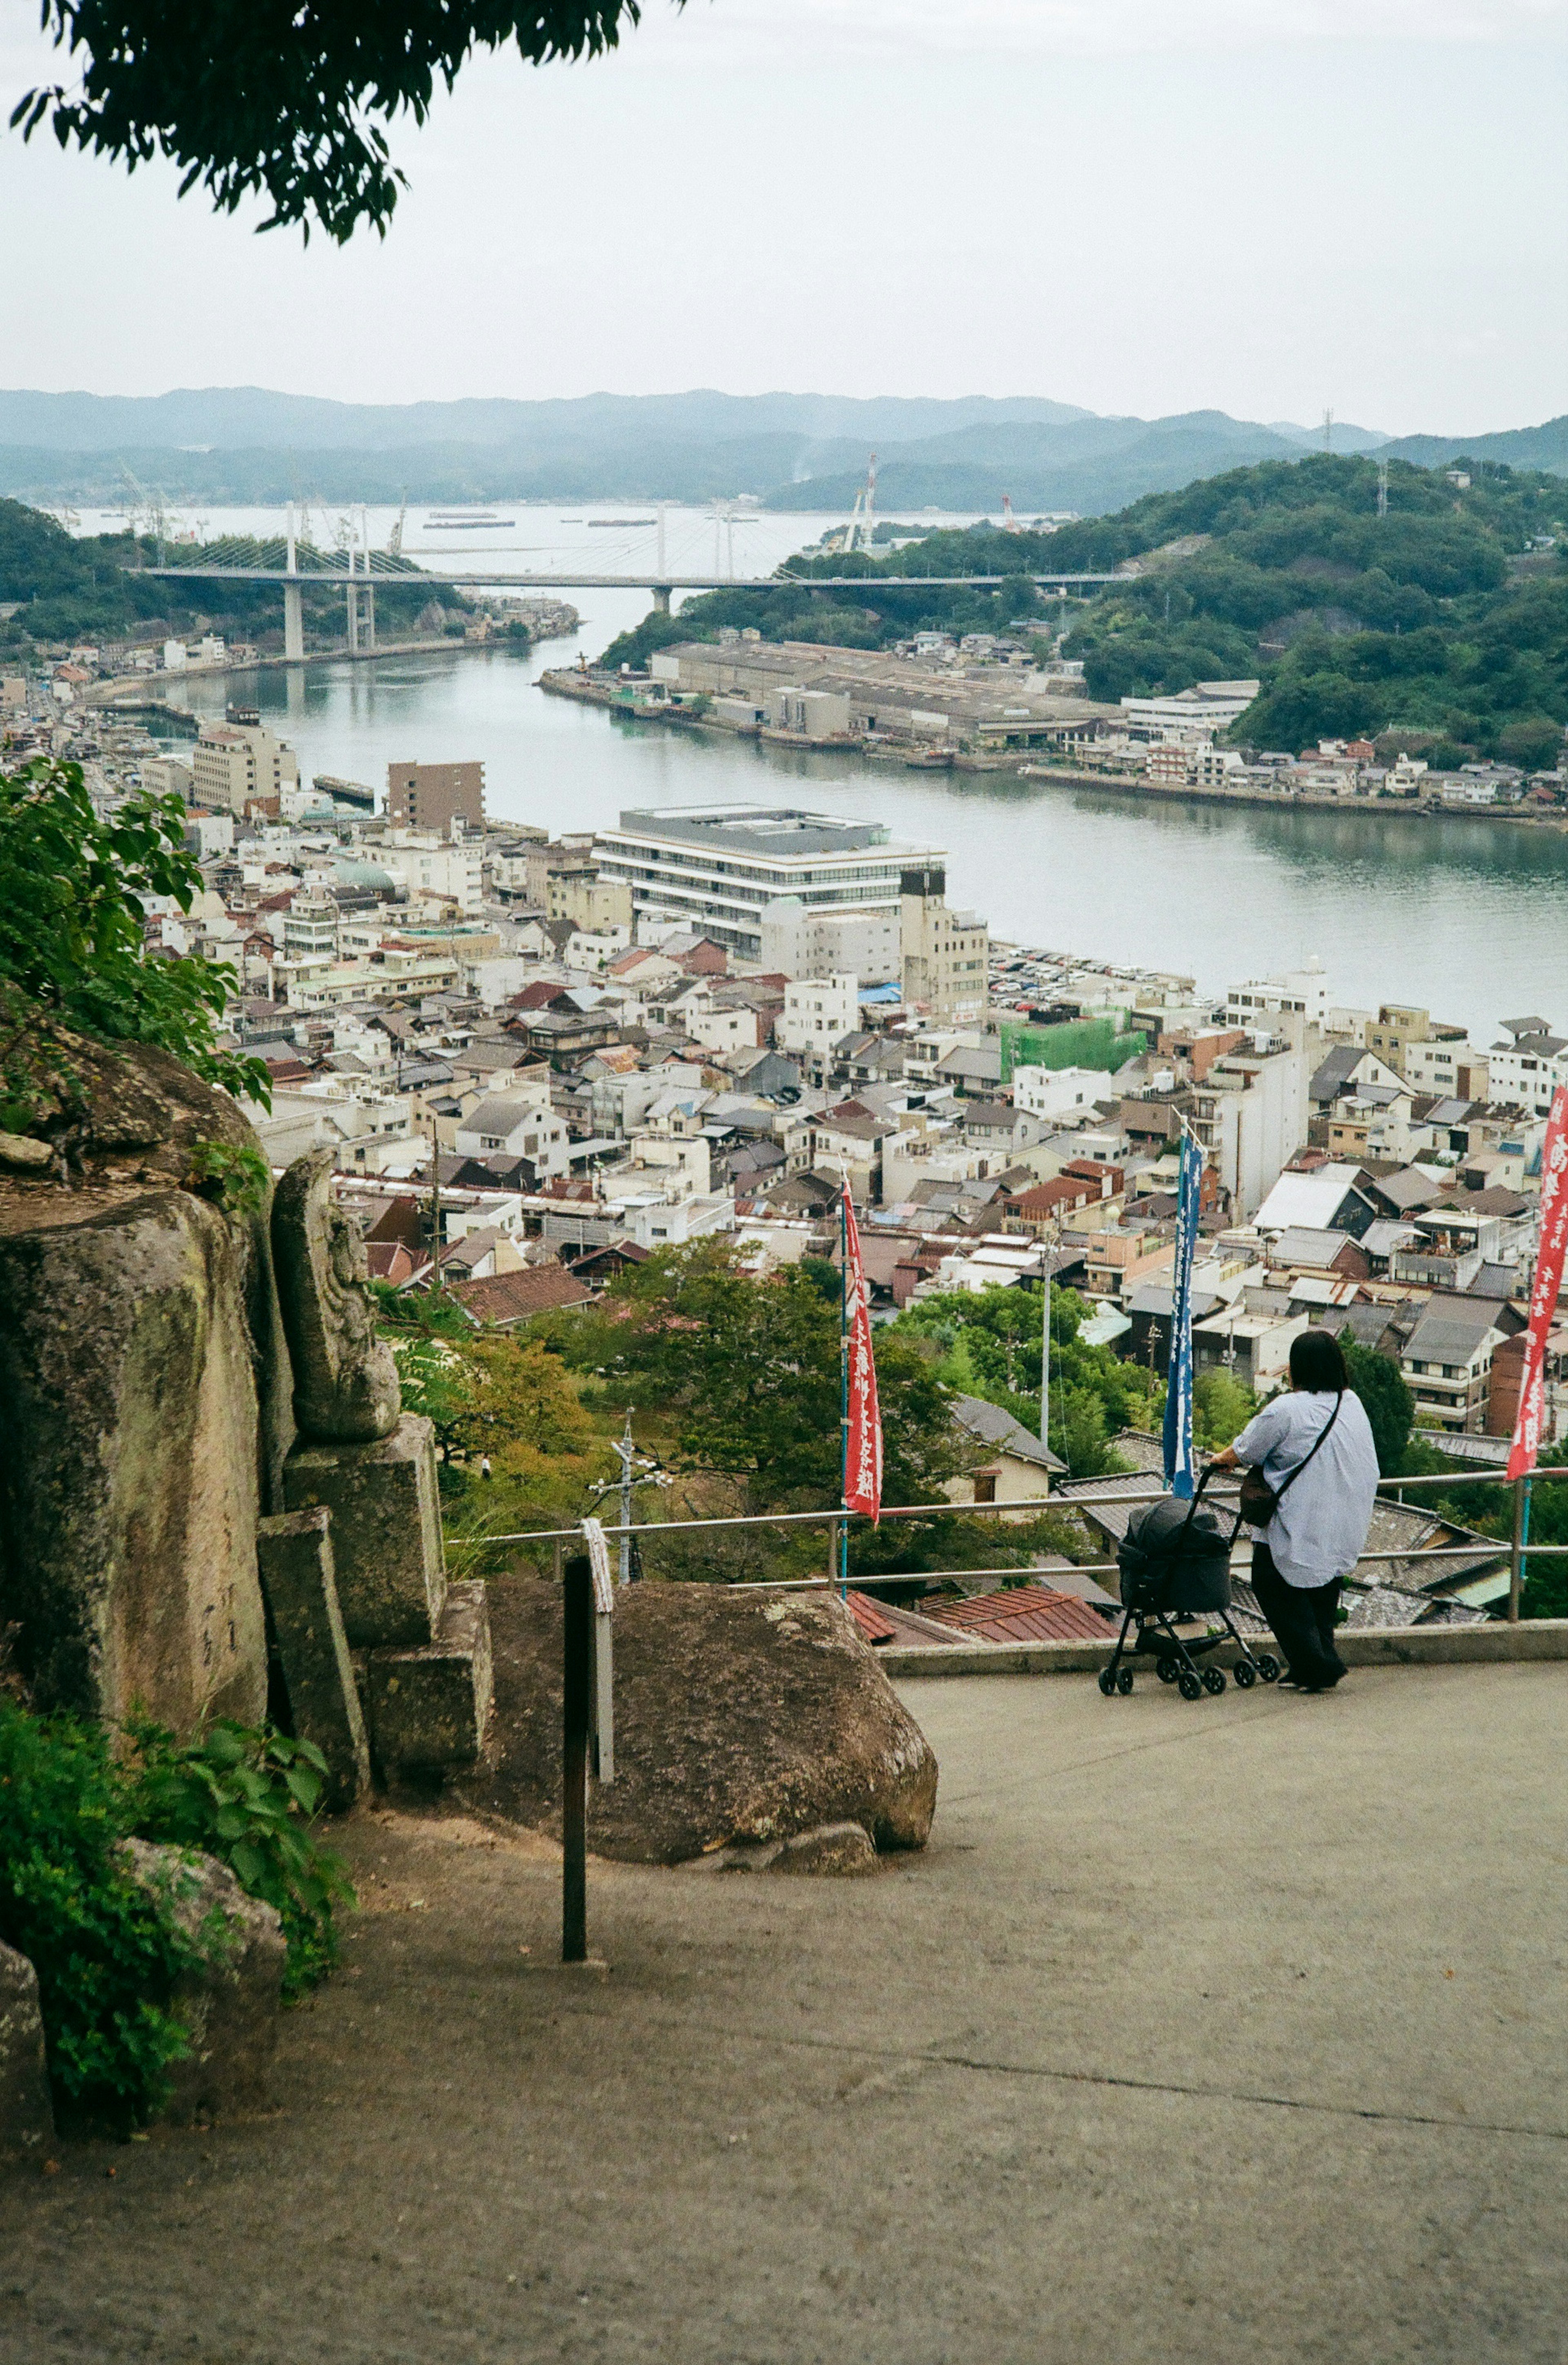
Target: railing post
{"points": [[1516, 1557], [577, 1670]]}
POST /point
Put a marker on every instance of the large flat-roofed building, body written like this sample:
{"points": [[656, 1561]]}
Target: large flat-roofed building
{"points": [[715, 867], [234, 765], [432, 796]]}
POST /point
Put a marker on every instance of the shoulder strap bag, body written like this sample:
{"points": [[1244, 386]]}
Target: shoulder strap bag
{"points": [[1259, 1500]]}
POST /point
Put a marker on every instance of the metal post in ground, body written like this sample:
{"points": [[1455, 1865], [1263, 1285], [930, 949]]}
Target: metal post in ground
{"points": [[1516, 1556], [577, 1670]]}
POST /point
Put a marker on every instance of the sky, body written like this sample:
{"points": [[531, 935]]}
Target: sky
{"points": [[1264, 206]]}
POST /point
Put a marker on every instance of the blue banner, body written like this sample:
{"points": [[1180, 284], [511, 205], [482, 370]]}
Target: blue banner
{"points": [[1179, 1376]]}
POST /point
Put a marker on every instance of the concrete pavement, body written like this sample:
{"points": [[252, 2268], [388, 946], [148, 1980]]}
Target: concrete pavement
{"points": [[1229, 2031]]}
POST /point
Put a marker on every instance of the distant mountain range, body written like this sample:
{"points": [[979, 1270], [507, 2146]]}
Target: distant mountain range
{"points": [[244, 444]]}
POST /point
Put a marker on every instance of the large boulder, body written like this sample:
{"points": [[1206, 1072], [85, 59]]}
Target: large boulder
{"points": [[26, 2113], [738, 1717], [230, 2002], [140, 1358]]}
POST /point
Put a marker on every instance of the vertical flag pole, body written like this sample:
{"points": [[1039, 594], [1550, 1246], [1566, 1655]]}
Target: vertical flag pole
{"points": [[1552, 1251], [843, 1385], [1178, 1436]]}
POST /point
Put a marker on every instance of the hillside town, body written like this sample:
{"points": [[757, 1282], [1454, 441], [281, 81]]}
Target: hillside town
{"points": [[535, 1059]]}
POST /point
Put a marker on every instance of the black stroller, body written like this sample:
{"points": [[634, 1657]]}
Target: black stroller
{"points": [[1175, 1563]]}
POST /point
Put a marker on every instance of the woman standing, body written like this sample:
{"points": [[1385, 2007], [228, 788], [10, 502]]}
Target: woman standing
{"points": [[1314, 1448]]}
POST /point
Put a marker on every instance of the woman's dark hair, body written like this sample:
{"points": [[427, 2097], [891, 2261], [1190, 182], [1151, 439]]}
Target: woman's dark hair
{"points": [[1316, 1362]]}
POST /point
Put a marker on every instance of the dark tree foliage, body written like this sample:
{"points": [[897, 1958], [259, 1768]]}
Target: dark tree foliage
{"points": [[285, 99], [73, 889], [1390, 1408]]}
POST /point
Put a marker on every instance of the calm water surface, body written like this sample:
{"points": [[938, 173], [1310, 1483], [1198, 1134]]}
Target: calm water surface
{"points": [[1468, 918]]}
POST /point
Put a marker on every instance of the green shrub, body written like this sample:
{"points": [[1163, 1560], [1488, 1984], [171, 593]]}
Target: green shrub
{"points": [[106, 1956], [247, 1796]]}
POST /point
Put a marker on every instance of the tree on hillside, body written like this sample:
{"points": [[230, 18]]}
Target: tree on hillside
{"points": [[989, 1345], [285, 99], [74, 893], [747, 1372], [1389, 1405]]}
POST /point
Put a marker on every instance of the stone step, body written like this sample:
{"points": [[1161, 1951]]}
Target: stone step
{"points": [[428, 1703]]}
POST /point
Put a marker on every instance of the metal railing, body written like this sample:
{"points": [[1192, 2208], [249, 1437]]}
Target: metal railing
{"points": [[1519, 1548]]}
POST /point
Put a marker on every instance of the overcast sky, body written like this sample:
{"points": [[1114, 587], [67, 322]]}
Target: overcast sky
{"points": [[1264, 206]]}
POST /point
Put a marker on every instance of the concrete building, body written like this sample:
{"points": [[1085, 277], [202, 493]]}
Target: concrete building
{"points": [[818, 1013], [422, 863], [1249, 1114], [589, 900], [235, 765], [1061, 1094], [1303, 991], [798, 943], [1447, 1364], [816, 714], [714, 867], [945, 954], [1207, 707], [165, 776], [434, 796]]}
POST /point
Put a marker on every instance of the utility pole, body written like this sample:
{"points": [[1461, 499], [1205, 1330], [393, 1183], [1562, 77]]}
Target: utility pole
{"points": [[435, 1197], [1045, 1352]]}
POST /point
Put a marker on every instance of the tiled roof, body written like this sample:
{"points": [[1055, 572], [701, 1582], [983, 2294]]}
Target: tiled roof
{"points": [[1024, 1613], [514, 1297], [875, 1624]]}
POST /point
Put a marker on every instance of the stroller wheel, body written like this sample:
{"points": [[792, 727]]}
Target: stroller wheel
{"points": [[1188, 1685], [1214, 1680], [1267, 1667], [1107, 1681], [1246, 1674], [1125, 1681], [1166, 1670]]}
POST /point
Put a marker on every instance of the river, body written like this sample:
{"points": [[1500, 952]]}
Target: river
{"points": [[1468, 918]]}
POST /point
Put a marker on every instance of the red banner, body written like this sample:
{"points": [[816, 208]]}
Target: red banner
{"points": [[1547, 1281], [863, 1446]]}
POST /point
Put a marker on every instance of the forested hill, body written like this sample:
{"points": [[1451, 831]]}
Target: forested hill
{"points": [[64, 587], [1447, 618]]}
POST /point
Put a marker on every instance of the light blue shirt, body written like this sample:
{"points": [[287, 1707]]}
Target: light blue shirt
{"points": [[1320, 1528]]}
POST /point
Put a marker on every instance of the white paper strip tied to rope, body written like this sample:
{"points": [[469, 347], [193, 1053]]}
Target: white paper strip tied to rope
{"points": [[603, 1692]]}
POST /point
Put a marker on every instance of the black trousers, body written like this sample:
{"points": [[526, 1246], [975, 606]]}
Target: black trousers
{"points": [[1303, 1618]]}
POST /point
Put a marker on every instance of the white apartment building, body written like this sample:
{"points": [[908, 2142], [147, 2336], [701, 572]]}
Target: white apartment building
{"points": [[234, 764], [713, 867], [1527, 1071], [1300, 990], [818, 1013], [1450, 1066], [310, 929], [947, 954], [425, 864], [1250, 1115], [1207, 707], [800, 943], [1060, 1093]]}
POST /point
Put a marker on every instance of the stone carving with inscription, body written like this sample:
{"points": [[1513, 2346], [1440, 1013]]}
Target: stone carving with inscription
{"points": [[345, 1380]]}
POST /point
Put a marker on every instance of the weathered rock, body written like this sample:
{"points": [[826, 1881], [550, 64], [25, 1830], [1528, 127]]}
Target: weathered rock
{"points": [[843, 1849], [429, 1706], [17, 1150], [345, 1380], [230, 2005], [738, 1717], [143, 1396], [26, 2113], [129, 1405], [294, 1552], [387, 1546]]}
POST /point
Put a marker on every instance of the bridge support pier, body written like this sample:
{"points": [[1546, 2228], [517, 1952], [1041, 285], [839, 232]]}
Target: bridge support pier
{"points": [[353, 619], [661, 598], [293, 623], [369, 617]]}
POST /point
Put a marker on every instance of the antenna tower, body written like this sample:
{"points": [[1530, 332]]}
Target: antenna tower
{"points": [[1329, 431], [1383, 488]]}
